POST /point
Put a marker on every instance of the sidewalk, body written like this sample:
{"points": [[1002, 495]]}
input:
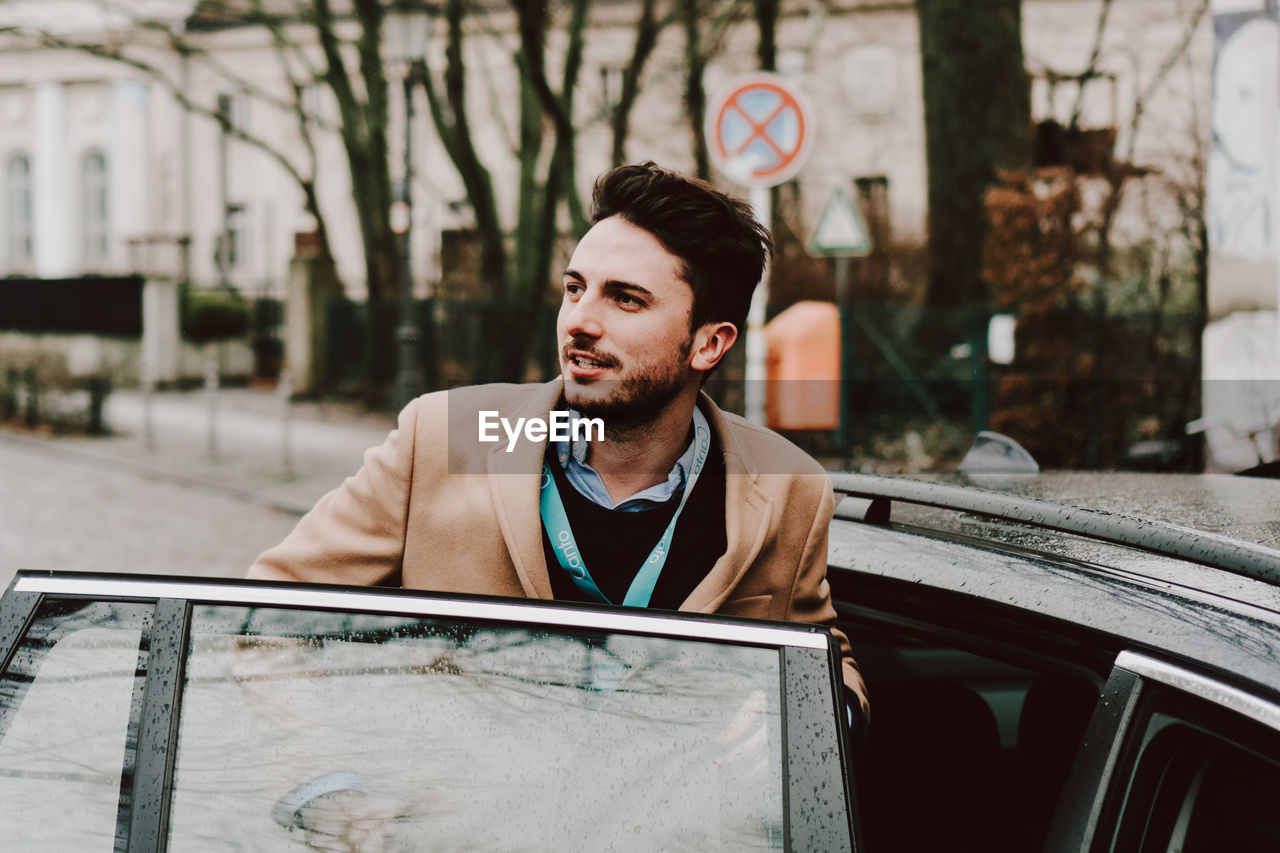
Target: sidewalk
{"points": [[259, 450]]}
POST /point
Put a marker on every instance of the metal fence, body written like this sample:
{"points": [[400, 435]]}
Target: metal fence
{"points": [[458, 341], [1085, 390]]}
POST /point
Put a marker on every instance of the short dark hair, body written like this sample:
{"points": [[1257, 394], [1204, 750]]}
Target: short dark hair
{"points": [[721, 246]]}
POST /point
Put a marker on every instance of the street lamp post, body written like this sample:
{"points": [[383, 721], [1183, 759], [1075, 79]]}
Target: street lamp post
{"points": [[406, 31]]}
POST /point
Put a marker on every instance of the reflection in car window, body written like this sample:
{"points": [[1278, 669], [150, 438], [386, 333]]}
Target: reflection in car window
{"points": [[68, 723], [475, 738]]}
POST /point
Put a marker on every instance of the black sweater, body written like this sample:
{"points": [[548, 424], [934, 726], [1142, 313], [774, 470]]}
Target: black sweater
{"points": [[614, 544]]}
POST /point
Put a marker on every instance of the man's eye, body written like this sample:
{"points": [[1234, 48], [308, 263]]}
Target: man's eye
{"points": [[572, 288], [628, 299]]}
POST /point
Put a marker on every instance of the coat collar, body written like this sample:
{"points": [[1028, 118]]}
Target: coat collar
{"points": [[514, 479]]}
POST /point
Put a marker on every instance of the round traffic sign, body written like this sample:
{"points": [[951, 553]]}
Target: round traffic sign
{"points": [[759, 130]]}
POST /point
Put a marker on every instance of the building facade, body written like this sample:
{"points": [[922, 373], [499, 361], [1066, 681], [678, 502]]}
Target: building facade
{"points": [[100, 160]]}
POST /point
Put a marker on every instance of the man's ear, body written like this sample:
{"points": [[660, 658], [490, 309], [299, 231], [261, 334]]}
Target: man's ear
{"points": [[710, 344]]}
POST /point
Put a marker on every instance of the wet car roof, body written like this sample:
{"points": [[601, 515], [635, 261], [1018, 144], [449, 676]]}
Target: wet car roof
{"points": [[1241, 508], [1244, 508], [1160, 601]]}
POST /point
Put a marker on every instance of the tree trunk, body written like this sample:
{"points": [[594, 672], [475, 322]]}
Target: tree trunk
{"points": [[695, 95], [767, 23], [452, 124], [977, 111], [364, 137], [538, 232]]}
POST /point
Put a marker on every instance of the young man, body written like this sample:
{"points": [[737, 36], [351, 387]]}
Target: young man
{"points": [[677, 505]]}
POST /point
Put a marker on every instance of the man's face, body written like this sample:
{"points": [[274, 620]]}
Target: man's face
{"points": [[623, 328]]}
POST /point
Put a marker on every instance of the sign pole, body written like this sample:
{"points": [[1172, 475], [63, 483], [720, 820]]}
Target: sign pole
{"points": [[757, 346], [842, 233], [846, 360]]}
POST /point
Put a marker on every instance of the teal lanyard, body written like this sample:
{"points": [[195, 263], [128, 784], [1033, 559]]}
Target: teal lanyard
{"points": [[556, 521]]}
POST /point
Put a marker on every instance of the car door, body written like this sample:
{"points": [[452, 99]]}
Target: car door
{"points": [[151, 714]]}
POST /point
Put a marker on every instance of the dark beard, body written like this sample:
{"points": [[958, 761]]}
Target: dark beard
{"points": [[631, 405]]}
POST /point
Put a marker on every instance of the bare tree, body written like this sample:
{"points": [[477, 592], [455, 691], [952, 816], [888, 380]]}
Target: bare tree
{"points": [[648, 28], [518, 278], [338, 45], [1122, 169], [352, 69], [977, 113], [704, 27]]}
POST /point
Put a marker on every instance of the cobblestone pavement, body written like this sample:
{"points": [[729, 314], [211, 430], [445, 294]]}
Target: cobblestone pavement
{"points": [[123, 503]]}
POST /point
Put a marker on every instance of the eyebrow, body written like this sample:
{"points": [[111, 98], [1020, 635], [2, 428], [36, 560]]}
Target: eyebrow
{"points": [[613, 284]]}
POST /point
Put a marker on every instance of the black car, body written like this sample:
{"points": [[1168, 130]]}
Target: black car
{"points": [[1042, 676], [1047, 676]]}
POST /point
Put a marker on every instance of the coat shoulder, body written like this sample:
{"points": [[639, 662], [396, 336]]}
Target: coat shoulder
{"points": [[767, 452], [453, 424]]}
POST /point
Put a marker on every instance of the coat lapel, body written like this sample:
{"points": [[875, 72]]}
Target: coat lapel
{"points": [[747, 515], [513, 480]]}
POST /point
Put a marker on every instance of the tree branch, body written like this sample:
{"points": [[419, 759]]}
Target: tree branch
{"points": [[1139, 104], [647, 30], [336, 73], [1090, 67], [113, 54], [282, 47]]}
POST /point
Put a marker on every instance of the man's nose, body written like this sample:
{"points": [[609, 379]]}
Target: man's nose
{"points": [[582, 318]]}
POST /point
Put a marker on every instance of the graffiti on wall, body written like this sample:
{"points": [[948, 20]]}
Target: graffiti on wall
{"points": [[1242, 177]]}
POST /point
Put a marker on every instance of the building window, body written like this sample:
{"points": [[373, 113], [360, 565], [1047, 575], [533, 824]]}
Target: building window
{"points": [[18, 213], [310, 101], [234, 110], [237, 237], [610, 86], [94, 210]]}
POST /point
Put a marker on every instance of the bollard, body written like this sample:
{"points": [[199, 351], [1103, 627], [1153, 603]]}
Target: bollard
{"points": [[285, 389], [33, 397], [9, 394], [211, 391], [99, 388], [148, 419]]}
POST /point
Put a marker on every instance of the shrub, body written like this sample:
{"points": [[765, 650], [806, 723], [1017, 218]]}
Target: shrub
{"points": [[214, 315]]}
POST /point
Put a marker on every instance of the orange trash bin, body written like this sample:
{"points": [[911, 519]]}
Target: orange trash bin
{"points": [[803, 367]]}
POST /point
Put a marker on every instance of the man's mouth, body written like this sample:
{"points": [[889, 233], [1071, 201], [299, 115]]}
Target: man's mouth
{"points": [[586, 361]]}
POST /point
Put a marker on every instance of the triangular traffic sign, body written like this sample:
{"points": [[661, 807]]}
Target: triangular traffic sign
{"points": [[842, 230]]}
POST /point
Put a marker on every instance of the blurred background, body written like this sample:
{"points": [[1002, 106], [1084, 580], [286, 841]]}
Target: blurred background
{"points": [[1055, 219]]}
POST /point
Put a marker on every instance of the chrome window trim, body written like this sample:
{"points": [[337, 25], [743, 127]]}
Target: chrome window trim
{"points": [[798, 637], [1201, 686]]}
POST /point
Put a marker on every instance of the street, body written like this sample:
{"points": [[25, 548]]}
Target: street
{"points": [[70, 513], [118, 504]]}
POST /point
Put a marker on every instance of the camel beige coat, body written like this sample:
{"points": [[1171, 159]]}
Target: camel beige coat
{"points": [[434, 508]]}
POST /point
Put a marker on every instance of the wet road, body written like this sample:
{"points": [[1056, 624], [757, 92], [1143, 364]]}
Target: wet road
{"points": [[61, 511]]}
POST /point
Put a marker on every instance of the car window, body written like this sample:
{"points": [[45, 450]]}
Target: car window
{"points": [[474, 737], [68, 722], [1194, 793], [966, 751]]}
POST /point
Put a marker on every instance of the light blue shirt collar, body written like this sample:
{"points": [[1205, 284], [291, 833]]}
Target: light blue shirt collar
{"points": [[572, 456]]}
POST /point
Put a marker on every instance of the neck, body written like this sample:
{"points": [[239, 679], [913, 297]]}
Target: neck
{"points": [[633, 458]]}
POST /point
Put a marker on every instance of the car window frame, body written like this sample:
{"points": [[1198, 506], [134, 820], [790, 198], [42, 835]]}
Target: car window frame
{"points": [[1144, 697], [809, 659]]}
